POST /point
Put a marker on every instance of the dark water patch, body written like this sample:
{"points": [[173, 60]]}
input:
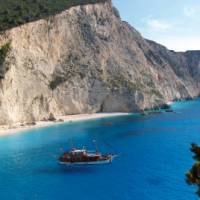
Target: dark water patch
{"points": [[62, 170]]}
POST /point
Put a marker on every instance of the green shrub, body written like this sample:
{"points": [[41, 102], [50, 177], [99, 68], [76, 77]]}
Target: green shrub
{"points": [[55, 83], [3, 52]]}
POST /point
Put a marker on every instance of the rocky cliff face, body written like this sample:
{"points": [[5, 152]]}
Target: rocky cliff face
{"points": [[86, 60]]}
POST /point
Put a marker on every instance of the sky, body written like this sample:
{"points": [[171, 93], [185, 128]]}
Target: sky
{"points": [[173, 23]]}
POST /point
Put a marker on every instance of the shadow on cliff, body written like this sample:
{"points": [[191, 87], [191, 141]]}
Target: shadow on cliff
{"points": [[14, 13]]}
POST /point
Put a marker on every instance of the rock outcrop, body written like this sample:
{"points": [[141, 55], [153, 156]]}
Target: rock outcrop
{"points": [[87, 60]]}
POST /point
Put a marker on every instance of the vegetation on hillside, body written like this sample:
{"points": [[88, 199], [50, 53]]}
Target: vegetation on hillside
{"points": [[193, 176], [3, 53], [17, 12]]}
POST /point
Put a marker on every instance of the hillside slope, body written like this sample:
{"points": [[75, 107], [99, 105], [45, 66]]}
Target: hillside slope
{"points": [[86, 60]]}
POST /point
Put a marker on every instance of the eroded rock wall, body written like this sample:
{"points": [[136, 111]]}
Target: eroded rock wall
{"points": [[87, 60]]}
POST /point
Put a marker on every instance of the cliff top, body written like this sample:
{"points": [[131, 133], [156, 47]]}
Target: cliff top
{"points": [[18, 12]]}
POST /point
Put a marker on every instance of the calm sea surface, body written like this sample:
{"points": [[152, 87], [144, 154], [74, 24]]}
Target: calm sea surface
{"points": [[154, 156]]}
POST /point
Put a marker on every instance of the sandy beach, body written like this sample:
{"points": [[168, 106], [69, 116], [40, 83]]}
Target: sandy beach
{"points": [[15, 128]]}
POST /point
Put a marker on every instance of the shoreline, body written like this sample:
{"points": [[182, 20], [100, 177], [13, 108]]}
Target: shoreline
{"points": [[16, 128]]}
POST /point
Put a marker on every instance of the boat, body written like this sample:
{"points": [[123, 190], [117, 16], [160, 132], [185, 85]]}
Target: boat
{"points": [[84, 157]]}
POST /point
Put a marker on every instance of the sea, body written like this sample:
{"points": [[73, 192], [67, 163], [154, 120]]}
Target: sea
{"points": [[153, 157]]}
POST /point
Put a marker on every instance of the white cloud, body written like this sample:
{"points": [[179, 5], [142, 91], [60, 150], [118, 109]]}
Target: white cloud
{"points": [[189, 11], [193, 11], [158, 25], [181, 43]]}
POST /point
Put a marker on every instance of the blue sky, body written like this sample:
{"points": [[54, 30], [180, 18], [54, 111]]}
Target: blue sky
{"points": [[173, 23]]}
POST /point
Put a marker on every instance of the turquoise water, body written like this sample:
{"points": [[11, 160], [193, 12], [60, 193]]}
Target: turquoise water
{"points": [[154, 156]]}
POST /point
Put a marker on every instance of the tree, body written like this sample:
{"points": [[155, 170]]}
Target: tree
{"points": [[193, 176]]}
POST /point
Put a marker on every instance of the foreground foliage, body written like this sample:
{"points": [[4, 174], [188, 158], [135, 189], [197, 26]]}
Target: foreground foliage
{"points": [[193, 176]]}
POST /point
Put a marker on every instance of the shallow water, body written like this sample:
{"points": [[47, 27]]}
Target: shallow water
{"points": [[154, 156]]}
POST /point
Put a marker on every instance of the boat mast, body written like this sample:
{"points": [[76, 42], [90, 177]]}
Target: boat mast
{"points": [[96, 146], [71, 143]]}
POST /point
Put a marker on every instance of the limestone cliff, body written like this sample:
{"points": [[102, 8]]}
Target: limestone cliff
{"points": [[87, 60]]}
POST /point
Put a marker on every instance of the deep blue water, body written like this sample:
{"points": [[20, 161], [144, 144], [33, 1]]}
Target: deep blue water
{"points": [[154, 156]]}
